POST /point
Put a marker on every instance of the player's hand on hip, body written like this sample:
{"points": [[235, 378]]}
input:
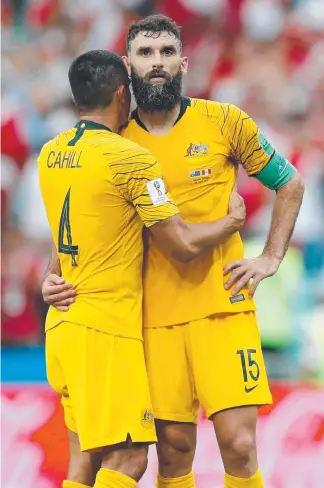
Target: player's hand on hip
{"points": [[253, 270], [236, 208], [58, 293]]}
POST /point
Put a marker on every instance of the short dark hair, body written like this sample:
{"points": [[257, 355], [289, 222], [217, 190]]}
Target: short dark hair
{"points": [[94, 77], [154, 25]]}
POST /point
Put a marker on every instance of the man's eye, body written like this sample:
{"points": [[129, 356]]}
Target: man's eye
{"points": [[144, 52], [168, 51]]}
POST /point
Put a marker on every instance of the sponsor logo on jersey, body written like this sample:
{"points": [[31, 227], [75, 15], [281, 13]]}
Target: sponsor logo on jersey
{"points": [[200, 172], [248, 390], [197, 150], [147, 418], [157, 191], [237, 298]]}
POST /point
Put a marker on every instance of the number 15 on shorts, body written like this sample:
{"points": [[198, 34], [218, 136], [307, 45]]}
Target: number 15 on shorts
{"points": [[250, 368]]}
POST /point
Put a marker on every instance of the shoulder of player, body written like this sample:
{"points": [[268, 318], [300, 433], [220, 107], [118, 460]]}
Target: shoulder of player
{"points": [[57, 141], [214, 110], [230, 118], [124, 148], [127, 156], [48, 146]]}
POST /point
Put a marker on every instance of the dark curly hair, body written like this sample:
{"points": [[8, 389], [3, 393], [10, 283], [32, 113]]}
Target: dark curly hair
{"points": [[153, 26]]}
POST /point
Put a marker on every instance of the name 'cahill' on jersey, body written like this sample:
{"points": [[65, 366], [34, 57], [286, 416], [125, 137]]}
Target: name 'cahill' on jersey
{"points": [[199, 158], [99, 189]]}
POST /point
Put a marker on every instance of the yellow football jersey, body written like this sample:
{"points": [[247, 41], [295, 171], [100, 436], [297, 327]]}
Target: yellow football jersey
{"points": [[99, 189], [199, 158]]}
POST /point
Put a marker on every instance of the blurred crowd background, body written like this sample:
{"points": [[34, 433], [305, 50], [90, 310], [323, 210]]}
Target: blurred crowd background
{"points": [[266, 56]]}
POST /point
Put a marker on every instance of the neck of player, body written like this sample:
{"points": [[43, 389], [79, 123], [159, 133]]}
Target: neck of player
{"points": [[159, 122], [105, 119]]}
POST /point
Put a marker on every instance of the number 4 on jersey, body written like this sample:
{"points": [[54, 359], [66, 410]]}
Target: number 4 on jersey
{"points": [[65, 227]]}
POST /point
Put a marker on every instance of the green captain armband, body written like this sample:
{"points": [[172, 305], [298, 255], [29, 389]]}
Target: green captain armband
{"points": [[276, 173]]}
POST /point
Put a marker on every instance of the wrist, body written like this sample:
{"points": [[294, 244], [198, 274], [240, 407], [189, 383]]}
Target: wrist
{"points": [[273, 256]]}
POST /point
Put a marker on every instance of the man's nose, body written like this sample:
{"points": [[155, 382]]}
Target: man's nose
{"points": [[157, 61]]}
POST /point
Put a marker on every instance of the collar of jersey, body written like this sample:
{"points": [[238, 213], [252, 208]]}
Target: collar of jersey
{"points": [[184, 104], [89, 125]]}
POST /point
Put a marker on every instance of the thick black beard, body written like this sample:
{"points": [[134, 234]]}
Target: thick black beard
{"points": [[157, 97]]}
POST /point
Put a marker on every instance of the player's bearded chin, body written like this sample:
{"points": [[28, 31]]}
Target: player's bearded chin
{"points": [[159, 96]]}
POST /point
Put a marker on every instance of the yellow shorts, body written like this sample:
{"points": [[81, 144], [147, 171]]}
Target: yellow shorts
{"points": [[215, 362], [103, 382]]}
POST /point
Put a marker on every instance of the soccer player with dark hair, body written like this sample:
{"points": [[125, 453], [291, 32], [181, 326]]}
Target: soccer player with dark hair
{"points": [[201, 338], [99, 191]]}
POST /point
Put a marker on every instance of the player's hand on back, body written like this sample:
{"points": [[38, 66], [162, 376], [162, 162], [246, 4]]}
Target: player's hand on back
{"points": [[57, 293], [244, 270], [236, 208]]}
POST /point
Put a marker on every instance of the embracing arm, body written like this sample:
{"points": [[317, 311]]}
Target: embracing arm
{"points": [[54, 266], [55, 290], [184, 242]]}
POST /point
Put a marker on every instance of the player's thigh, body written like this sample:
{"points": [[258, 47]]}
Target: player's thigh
{"points": [[170, 377], [108, 388], [54, 344], [228, 363], [130, 385], [54, 371]]}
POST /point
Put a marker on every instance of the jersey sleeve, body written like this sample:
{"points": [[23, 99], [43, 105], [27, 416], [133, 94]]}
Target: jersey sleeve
{"points": [[138, 178], [248, 146]]}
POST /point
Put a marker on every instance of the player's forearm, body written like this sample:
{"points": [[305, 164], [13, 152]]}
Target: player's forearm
{"points": [[199, 238], [286, 208], [54, 266], [183, 241]]}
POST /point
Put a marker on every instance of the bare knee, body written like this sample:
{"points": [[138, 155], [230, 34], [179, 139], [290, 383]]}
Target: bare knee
{"points": [[235, 431], [176, 448], [239, 453], [241, 445], [131, 461]]}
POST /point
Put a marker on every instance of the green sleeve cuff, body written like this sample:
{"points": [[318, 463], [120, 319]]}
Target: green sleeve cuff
{"points": [[276, 173]]}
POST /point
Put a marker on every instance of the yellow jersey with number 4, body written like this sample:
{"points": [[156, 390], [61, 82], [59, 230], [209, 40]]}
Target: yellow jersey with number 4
{"points": [[99, 189], [199, 158]]}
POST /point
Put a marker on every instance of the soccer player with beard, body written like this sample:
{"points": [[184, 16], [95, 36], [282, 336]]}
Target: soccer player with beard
{"points": [[201, 337]]}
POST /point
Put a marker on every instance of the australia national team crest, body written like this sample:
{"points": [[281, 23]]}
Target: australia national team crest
{"points": [[197, 150], [147, 418]]}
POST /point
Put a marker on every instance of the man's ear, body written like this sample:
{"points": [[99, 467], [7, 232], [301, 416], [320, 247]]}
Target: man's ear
{"points": [[120, 92], [127, 64], [184, 65]]}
